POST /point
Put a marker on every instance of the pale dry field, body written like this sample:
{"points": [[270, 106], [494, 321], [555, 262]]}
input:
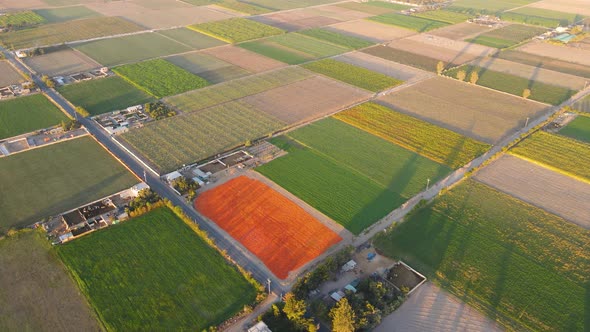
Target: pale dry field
{"points": [[306, 100], [340, 13], [564, 53], [480, 113], [155, 18], [532, 73], [240, 57], [539, 186], [21, 4], [372, 31], [460, 31], [8, 75], [386, 67], [298, 19], [430, 308], [569, 6], [447, 55], [64, 62], [458, 46]]}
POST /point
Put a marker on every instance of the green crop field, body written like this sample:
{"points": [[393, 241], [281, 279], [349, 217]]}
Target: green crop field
{"points": [[160, 78], [545, 63], [373, 7], [513, 261], [507, 36], [28, 262], [208, 67], [153, 273], [444, 16], [172, 142], [191, 38], [559, 153], [53, 179], [235, 30], [578, 129], [439, 144], [354, 75], [403, 57], [58, 33], [582, 105], [545, 93], [104, 95], [21, 19], [339, 39], [348, 174], [63, 14], [408, 22], [486, 6], [294, 48], [224, 92], [137, 48], [539, 16], [26, 114]]}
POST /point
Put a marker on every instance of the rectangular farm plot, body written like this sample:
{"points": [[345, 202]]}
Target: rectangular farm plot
{"points": [[294, 48], [104, 95], [403, 57], [372, 31], [577, 6], [239, 88], [383, 66], [459, 107], [582, 105], [444, 16], [25, 114], [487, 6], [559, 52], [578, 129], [485, 246], [63, 14], [243, 58], [57, 178], [167, 276], [9, 75], [160, 78], [235, 30], [445, 49], [373, 7], [460, 31], [353, 75], [296, 20], [137, 48], [441, 145], [172, 142], [70, 31], [543, 17], [306, 99], [409, 22], [560, 153], [208, 67], [541, 187], [354, 191], [507, 36], [337, 38], [280, 233], [61, 63], [191, 38]]}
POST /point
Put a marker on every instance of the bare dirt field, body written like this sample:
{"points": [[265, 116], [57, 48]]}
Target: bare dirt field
{"points": [[21, 4], [480, 113], [564, 53], [430, 308], [446, 50], [37, 292], [541, 187], [155, 18], [460, 31], [250, 61], [389, 68], [340, 13], [372, 31], [307, 99], [296, 20], [8, 75], [569, 6], [62, 63], [532, 73]]}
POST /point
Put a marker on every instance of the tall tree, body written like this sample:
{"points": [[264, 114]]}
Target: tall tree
{"points": [[461, 75], [440, 66], [526, 93], [343, 317], [474, 77]]}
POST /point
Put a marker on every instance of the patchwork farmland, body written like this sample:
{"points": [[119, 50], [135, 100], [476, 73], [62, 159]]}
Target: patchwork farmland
{"points": [[61, 63], [236, 30], [26, 114], [210, 68], [283, 235]]}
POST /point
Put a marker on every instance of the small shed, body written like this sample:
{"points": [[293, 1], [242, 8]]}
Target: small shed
{"points": [[350, 287], [337, 296], [349, 266], [259, 327], [172, 176]]}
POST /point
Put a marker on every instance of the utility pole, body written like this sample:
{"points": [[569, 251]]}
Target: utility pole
{"points": [[427, 183], [268, 282], [144, 176], [527, 122]]}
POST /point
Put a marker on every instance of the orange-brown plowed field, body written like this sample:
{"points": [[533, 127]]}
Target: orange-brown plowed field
{"points": [[279, 232]]}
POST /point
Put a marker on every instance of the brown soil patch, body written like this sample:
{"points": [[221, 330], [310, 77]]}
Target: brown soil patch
{"points": [[447, 50], [460, 31], [243, 58], [297, 20], [479, 113], [372, 31], [568, 6], [8, 75], [307, 99], [383, 66], [62, 63], [342, 14], [564, 53], [541, 187]]}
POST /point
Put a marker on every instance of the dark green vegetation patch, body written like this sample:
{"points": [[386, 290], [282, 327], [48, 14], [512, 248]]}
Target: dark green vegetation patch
{"points": [[104, 95], [155, 273], [38, 183], [26, 114], [349, 42], [579, 129], [235, 30], [510, 259]]}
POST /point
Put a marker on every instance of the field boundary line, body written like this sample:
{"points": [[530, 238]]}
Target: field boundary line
{"points": [[57, 105], [117, 158], [549, 167], [48, 144], [133, 155]]}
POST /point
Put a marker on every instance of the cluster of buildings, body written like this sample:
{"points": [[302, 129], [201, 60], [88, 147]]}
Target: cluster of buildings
{"points": [[84, 76], [14, 90], [118, 122]]}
